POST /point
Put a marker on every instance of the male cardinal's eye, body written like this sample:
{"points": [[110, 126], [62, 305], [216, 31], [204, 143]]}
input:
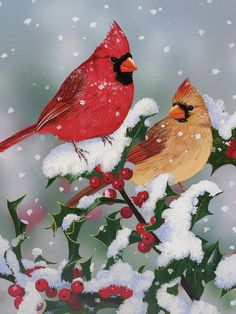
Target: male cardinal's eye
{"points": [[114, 59], [190, 108]]}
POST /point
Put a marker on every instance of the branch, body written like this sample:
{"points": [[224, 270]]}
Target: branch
{"points": [[8, 277], [140, 218]]}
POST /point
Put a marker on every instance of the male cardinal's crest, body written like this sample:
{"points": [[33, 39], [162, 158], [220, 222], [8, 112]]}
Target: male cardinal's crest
{"points": [[115, 43]]}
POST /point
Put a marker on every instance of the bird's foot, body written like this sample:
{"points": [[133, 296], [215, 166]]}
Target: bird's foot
{"points": [[182, 189], [81, 152], [108, 139]]}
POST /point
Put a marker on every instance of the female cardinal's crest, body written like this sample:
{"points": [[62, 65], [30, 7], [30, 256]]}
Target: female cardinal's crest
{"points": [[187, 93], [115, 44]]}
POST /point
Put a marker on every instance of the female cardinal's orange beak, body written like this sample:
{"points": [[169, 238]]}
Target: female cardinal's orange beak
{"points": [[128, 65], [177, 113]]}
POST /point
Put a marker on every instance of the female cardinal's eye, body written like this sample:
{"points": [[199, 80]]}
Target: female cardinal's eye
{"points": [[114, 59], [190, 108]]}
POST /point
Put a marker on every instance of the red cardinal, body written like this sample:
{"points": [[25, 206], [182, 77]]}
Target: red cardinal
{"points": [[94, 99]]}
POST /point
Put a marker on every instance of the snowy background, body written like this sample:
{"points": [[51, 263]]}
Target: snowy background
{"points": [[43, 41]]}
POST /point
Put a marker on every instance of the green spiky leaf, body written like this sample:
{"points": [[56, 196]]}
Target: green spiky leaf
{"points": [[86, 268], [12, 208], [218, 156], [202, 208], [198, 274], [141, 269]]}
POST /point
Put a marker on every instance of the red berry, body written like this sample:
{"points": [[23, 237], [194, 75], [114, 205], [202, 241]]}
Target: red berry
{"points": [[229, 153], [234, 155], [110, 193], [143, 196], [64, 294], [73, 298], [51, 292], [108, 177], [126, 212], [115, 289], [16, 290], [143, 248], [41, 285], [232, 144], [118, 184], [126, 292], [18, 301], [98, 169], [148, 239], [104, 293], [152, 220], [140, 228], [76, 306], [77, 286], [136, 201], [77, 273], [94, 182], [126, 173]]}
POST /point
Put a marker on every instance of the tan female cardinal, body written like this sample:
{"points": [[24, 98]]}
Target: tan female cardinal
{"points": [[179, 144], [94, 99]]}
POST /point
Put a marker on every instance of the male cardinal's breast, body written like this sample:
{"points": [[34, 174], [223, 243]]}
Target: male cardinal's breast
{"points": [[97, 110], [186, 151]]}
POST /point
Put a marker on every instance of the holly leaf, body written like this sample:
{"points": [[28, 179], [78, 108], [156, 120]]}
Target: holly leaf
{"points": [[18, 224], [218, 156], [159, 208], [137, 135], [86, 268], [198, 274], [163, 275], [107, 233], [141, 269], [57, 219], [202, 210], [173, 290], [225, 291]]}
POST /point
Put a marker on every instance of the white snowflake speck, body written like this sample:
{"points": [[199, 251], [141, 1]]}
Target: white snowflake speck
{"points": [[37, 157], [4, 55], [141, 37], [75, 53], [224, 208], [93, 24], [180, 72], [198, 136], [82, 102], [106, 6], [201, 32], [153, 11], [166, 49], [75, 19], [47, 87], [10, 110], [27, 21], [60, 37], [215, 71], [229, 22], [231, 45]]}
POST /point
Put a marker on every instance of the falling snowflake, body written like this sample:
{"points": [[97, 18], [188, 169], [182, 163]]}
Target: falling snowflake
{"points": [[166, 49], [27, 21], [93, 24], [60, 37], [231, 45], [141, 37], [47, 87], [201, 32], [215, 71], [106, 6], [75, 53], [153, 11], [10, 110], [4, 55], [75, 19]]}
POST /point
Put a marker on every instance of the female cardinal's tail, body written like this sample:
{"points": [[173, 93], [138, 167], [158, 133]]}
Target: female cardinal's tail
{"points": [[18, 137]]}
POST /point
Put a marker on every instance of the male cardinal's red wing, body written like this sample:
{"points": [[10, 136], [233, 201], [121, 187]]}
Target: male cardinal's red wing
{"points": [[72, 88], [152, 146]]}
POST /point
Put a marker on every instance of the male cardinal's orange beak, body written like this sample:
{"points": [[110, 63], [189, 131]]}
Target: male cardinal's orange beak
{"points": [[128, 65], [176, 112]]}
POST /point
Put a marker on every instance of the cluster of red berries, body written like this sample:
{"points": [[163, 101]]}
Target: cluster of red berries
{"points": [[231, 150], [17, 292], [140, 198], [112, 290], [70, 296], [109, 178], [148, 239]]}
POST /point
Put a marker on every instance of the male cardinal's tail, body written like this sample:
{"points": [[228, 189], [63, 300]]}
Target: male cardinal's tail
{"points": [[18, 137]]}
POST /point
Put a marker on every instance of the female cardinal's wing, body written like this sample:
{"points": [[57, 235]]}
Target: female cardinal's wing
{"points": [[72, 88], [153, 145]]}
